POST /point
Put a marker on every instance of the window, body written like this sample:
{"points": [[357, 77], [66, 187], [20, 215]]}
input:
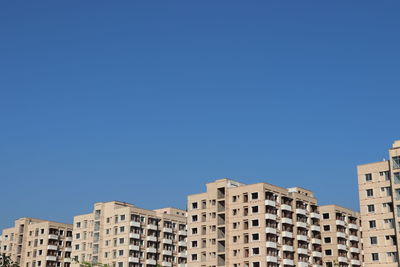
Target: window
{"points": [[194, 244], [78, 235], [373, 240], [396, 162], [254, 195], [254, 209], [371, 208], [194, 218], [121, 252], [327, 227], [325, 215], [121, 229], [194, 257], [254, 223], [121, 240], [328, 252], [122, 217], [375, 256], [255, 237], [327, 240], [372, 224], [256, 251], [194, 206], [397, 177], [370, 193], [78, 225], [194, 231], [368, 177]]}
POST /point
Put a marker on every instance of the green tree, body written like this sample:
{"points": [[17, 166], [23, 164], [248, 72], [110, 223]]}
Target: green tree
{"points": [[6, 261]]}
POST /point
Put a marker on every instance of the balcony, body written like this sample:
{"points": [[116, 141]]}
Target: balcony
{"points": [[68, 260], [53, 237], [152, 227], [151, 238], [134, 247], [182, 244], [51, 258], [286, 207], [270, 203], [354, 250], [301, 211], [353, 226], [133, 259], [134, 224], [287, 234], [342, 259], [270, 216], [340, 222], [272, 259], [342, 247], [270, 230], [316, 241], [317, 254], [68, 239], [167, 241], [355, 262], [287, 248], [167, 252], [182, 254], [340, 234], [134, 236], [270, 244], [68, 249], [182, 265], [151, 262], [302, 238], [302, 264], [182, 232], [302, 251], [315, 228], [167, 230], [151, 250], [315, 215], [354, 238], [287, 220], [288, 262], [166, 264], [301, 225], [52, 247]]}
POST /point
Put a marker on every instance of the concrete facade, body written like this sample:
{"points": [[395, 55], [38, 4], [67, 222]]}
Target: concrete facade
{"points": [[341, 236], [121, 235], [38, 243], [379, 191], [257, 225]]}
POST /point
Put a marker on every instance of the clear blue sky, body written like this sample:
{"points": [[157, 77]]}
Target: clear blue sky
{"points": [[146, 101]]}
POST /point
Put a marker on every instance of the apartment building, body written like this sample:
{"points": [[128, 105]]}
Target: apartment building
{"points": [[257, 225], [379, 191], [121, 235], [38, 243], [341, 236]]}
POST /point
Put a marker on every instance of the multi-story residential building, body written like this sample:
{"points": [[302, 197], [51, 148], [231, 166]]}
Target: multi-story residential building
{"points": [[257, 225], [38, 243], [340, 231], [379, 191], [121, 235]]}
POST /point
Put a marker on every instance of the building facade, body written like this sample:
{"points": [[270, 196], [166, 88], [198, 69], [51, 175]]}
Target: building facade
{"points": [[379, 192], [341, 236], [38, 243], [257, 225], [121, 235]]}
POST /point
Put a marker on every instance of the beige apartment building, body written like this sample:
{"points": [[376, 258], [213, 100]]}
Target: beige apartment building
{"points": [[38, 243], [379, 191], [121, 235], [257, 225], [341, 236]]}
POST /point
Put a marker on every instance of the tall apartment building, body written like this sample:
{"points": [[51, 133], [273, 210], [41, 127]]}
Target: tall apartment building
{"points": [[257, 225], [121, 235], [341, 236], [38, 243], [379, 191]]}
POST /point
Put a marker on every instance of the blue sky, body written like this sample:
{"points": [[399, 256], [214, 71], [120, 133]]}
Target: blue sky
{"points": [[146, 101]]}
